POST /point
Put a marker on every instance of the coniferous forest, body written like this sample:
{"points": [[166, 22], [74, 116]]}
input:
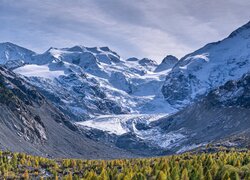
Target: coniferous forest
{"points": [[221, 165]]}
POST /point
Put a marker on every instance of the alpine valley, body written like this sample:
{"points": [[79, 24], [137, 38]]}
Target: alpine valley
{"points": [[91, 103]]}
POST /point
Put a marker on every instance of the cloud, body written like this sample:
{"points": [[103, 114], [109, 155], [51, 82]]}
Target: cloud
{"points": [[142, 28]]}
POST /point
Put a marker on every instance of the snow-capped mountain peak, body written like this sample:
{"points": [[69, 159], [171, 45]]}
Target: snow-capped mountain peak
{"points": [[86, 82], [12, 52], [209, 67], [167, 63]]}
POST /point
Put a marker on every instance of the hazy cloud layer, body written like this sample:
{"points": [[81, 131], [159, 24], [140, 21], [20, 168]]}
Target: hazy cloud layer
{"points": [[142, 28]]}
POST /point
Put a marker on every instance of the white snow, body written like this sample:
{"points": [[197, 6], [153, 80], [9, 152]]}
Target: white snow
{"points": [[33, 70]]}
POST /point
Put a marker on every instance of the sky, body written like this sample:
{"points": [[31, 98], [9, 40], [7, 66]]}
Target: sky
{"points": [[132, 28]]}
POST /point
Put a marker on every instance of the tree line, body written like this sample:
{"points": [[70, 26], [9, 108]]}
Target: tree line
{"points": [[205, 166]]}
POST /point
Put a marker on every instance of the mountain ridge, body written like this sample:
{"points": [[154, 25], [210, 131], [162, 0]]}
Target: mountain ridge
{"points": [[208, 67]]}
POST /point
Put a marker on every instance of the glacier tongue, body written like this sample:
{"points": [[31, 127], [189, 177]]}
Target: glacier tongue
{"points": [[139, 126], [120, 124]]}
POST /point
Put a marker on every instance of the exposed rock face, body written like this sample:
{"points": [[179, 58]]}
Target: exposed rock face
{"points": [[234, 93], [167, 63], [132, 59], [149, 64]]}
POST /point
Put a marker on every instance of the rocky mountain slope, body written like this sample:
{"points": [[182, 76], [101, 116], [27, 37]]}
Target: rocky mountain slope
{"points": [[167, 63], [29, 123], [221, 118], [209, 67], [13, 55]]}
